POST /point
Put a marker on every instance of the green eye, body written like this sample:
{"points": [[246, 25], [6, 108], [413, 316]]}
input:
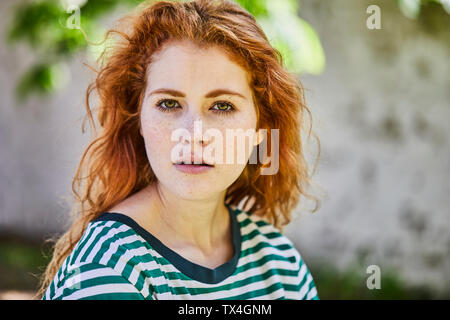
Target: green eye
{"points": [[224, 107], [167, 105]]}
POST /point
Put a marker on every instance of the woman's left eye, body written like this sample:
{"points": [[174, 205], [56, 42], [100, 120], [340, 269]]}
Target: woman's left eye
{"points": [[223, 107]]}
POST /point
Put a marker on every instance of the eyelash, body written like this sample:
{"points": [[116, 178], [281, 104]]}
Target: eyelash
{"points": [[220, 112]]}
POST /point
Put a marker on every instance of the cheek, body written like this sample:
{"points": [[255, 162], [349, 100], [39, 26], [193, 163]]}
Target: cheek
{"points": [[241, 145], [156, 137]]}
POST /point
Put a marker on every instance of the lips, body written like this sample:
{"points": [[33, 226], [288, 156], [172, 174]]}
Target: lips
{"points": [[191, 168], [195, 161], [195, 164]]}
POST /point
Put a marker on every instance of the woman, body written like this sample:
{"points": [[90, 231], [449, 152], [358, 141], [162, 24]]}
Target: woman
{"points": [[157, 223]]}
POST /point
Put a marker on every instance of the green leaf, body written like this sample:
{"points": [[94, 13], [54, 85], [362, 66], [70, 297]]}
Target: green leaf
{"points": [[42, 78], [296, 40], [43, 25], [258, 8]]}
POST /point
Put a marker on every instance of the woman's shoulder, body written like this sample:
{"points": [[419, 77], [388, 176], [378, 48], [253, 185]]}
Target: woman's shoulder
{"points": [[257, 224], [100, 261], [106, 237], [257, 231], [263, 243], [93, 281]]}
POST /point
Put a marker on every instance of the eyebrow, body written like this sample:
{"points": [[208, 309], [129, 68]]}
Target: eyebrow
{"points": [[212, 94]]}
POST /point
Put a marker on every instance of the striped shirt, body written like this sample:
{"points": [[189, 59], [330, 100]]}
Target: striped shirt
{"points": [[117, 259]]}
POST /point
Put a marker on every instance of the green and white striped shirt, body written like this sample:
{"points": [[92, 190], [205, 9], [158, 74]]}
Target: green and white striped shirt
{"points": [[117, 259]]}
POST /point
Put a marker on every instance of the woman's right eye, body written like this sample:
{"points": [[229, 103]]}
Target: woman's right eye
{"points": [[167, 105]]}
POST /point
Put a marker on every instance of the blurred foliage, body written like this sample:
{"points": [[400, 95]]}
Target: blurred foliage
{"points": [[350, 284], [42, 78], [412, 8], [51, 28], [21, 263]]}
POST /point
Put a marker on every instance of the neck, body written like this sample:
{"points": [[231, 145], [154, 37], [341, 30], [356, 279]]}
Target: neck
{"points": [[202, 223]]}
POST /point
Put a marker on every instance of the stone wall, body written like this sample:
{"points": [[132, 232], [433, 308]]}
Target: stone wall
{"points": [[382, 111]]}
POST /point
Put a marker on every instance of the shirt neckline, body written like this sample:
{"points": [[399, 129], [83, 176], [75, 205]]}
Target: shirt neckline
{"points": [[185, 266]]}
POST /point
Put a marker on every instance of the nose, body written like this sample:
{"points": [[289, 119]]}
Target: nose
{"points": [[195, 138], [196, 125]]}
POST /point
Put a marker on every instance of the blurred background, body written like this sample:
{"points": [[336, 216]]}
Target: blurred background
{"points": [[377, 81]]}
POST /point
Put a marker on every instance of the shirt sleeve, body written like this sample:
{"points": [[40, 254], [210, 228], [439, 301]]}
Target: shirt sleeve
{"points": [[92, 281], [308, 289]]}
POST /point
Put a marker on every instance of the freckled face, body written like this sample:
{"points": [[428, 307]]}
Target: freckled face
{"points": [[192, 73]]}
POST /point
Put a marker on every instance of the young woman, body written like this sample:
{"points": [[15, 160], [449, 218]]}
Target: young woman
{"points": [[154, 223]]}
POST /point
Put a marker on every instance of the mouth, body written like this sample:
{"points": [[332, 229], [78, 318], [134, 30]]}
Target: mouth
{"points": [[189, 168], [202, 164]]}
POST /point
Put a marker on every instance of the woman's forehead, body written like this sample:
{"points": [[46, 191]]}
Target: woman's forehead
{"points": [[181, 63]]}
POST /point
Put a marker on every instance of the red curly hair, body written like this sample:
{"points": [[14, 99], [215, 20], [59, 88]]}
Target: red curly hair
{"points": [[115, 165]]}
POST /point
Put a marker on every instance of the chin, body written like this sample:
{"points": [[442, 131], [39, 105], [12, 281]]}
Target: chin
{"points": [[197, 194]]}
